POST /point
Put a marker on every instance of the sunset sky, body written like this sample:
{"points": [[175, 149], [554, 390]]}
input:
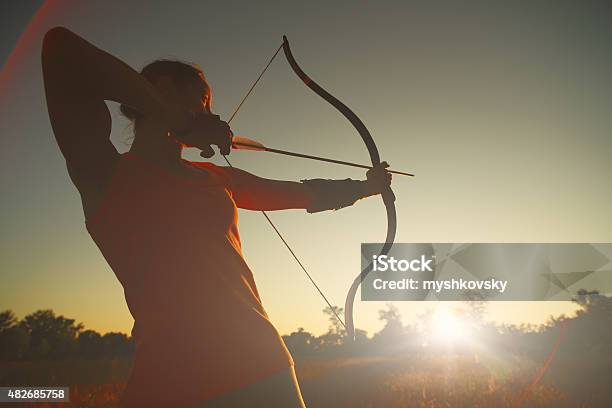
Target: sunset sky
{"points": [[502, 110]]}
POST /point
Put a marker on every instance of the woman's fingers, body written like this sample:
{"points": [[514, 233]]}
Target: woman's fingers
{"points": [[379, 177], [207, 152], [226, 146], [207, 130], [224, 138], [379, 169], [220, 135]]}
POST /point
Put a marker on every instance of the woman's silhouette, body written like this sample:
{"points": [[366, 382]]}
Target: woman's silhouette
{"points": [[168, 227]]}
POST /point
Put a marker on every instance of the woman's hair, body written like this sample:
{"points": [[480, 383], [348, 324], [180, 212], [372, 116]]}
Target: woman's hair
{"points": [[181, 73]]}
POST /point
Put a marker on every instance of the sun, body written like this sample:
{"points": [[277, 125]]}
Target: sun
{"points": [[447, 327]]}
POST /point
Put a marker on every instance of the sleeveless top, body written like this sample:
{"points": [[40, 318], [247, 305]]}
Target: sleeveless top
{"points": [[199, 324]]}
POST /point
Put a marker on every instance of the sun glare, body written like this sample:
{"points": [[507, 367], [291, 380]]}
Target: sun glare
{"points": [[447, 327]]}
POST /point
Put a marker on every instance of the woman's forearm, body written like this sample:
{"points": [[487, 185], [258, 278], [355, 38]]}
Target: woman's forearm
{"points": [[86, 72], [336, 194]]}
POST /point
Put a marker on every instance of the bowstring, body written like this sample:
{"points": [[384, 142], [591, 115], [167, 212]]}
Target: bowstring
{"points": [[264, 213], [254, 84]]}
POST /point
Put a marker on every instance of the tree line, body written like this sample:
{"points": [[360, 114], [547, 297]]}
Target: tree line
{"points": [[44, 336]]}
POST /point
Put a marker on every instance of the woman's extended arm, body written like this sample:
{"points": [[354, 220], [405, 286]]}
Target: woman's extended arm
{"points": [[255, 193], [78, 79]]}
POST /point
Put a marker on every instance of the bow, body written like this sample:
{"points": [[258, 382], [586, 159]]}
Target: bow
{"points": [[387, 195]]}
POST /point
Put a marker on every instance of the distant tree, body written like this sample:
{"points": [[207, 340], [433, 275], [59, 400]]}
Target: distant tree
{"points": [[336, 332], [14, 340], [51, 336], [393, 330], [585, 345], [361, 337], [593, 323], [475, 310], [335, 325], [117, 345], [301, 342], [592, 300], [7, 320], [90, 345]]}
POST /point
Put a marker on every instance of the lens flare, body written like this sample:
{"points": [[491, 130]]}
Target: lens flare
{"points": [[447, 327]]}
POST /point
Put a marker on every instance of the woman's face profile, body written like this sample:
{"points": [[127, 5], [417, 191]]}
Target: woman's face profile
{"points": [[195, 97], [190, 95]]}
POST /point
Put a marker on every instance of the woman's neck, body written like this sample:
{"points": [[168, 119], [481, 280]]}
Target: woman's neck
{"points": [[157, 146]]}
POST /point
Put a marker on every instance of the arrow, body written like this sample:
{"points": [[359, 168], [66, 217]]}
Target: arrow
{"points": [[243, 143]]}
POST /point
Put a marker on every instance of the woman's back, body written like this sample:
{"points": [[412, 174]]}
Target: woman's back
{"points": [[172, 242]]}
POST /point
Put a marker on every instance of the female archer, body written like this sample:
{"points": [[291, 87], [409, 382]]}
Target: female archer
{"points": [[168, 227]]}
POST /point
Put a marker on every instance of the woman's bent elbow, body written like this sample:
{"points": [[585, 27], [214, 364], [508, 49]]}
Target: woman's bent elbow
{"points": [[55, 44]]}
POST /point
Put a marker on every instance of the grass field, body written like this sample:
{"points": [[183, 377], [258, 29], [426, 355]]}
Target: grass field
{"points": [[430, 381]]}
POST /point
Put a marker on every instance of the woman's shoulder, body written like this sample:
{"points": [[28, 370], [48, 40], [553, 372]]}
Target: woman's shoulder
{"points": [[208, 166], [218, 172]]}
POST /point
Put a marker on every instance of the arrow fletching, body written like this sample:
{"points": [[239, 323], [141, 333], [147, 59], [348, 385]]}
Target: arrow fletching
{"points": [[244, 143]]}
